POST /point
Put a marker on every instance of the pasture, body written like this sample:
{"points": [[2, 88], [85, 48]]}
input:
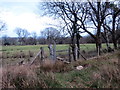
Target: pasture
{"points": [[35, 48], [14, 54]]}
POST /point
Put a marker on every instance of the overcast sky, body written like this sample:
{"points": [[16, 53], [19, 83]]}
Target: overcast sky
{"points": [[25, 15]]}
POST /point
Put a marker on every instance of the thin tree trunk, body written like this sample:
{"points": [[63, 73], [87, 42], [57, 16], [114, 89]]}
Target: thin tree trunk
{"points": [[98, 44], [107, 40], [73, 46], [78, 45], [113, 33]]}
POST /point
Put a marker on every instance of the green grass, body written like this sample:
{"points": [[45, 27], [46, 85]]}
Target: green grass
{"points": [[86, 47], [84, 78], [12, 51], [30, 47]]}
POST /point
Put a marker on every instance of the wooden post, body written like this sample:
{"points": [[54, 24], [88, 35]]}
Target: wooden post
{"points": [[69, 53], [54, 51], [76, 52], [41, 53], [51, 51]]}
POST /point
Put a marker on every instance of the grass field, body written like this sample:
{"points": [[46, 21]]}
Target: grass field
{"points": [[12, 54], [86, 47]]}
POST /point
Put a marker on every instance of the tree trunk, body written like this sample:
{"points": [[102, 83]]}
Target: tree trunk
{"points": [[98, 41], [75, 31], [107, 40], [78, 45], [73, 46], [114, 33], [114, 41]]}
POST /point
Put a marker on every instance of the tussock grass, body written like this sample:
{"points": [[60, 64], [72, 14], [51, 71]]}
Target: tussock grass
{"points": [[58, 66], [99, 72], [20, 77]]}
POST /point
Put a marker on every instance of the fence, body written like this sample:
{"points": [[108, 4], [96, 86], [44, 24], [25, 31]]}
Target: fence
{"points": [[53, 54]]}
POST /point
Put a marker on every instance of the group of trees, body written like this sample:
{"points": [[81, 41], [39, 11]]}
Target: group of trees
{"points": [[80, 17], [25, 38], [49, 35], [103, 17]]}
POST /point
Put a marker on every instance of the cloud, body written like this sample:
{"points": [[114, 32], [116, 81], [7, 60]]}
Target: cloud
{"points": [[29, 21], [22, 14]]}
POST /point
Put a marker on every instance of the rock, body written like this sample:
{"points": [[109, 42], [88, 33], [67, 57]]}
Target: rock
{"points": [[79, 67]]}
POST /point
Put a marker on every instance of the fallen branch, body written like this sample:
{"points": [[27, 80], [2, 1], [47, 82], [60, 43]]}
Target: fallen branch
{"points": [[62, 59], [82, 55]]}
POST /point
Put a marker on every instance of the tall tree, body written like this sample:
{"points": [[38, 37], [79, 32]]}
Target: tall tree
{"points": [[114, 10], [98, 13], [68, 12]]}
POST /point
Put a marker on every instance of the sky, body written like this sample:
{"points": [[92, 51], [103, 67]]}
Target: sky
{"points": [[25, 15]]}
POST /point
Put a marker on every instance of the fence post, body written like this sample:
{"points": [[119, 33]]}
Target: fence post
{"points": [[41, 53], [69, 53], [54, 51], [51, 51], [76, 52]]}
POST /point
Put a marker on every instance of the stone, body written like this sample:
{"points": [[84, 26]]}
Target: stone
{"points": [[79, 67]]}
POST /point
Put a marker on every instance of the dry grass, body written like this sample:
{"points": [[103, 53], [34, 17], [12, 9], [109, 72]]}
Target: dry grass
{"points": [[20, 77], [108, 75], [57, 66], [103, 73]]}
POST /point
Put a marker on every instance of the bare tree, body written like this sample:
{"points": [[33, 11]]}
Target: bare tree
{"points": [[68, 12], [113, 21], [80, 15], [22, 34], [51, 34], [97, 14], [34, 35]]}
